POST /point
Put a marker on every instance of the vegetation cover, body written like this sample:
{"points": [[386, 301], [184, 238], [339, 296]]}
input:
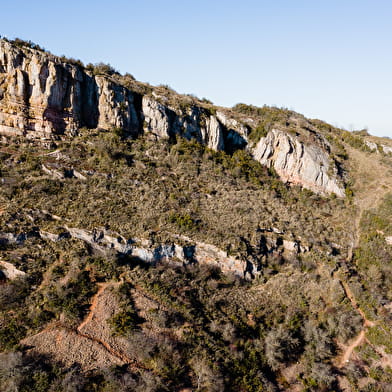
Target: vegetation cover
{"points": [[76, 315]]}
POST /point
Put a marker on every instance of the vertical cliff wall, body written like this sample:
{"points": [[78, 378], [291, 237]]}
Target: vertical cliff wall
{"points": [[42, 96]]}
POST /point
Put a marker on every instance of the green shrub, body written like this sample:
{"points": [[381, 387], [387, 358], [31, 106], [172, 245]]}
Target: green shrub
{"points": [[102, 69], [257, 133], [380, 337], [73, 299], [184, 222], [26, 44], [11, 333], [354, 141], [124, 322]]}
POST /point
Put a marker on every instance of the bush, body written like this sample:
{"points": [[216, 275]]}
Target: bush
{"points": [[73, 299], [26, 44], [257, 133], [281, 346], [124, 322], [102, 69], [184, 221], [72, 61], [11, 333]]}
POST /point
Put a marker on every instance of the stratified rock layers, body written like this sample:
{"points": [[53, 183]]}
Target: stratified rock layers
{"points": [[41, 96], [298, 163]]}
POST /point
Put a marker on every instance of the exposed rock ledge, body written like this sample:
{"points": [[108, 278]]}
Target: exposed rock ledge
{"points": [[41, 96], [298, 163], [378, 147], [181, 252]]}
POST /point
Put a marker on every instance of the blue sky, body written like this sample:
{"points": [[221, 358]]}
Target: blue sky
{"points": [[327, 59]]}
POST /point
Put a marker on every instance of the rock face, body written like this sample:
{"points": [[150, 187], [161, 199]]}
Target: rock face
{"points": [[41, 96], [378, 147], [156, 117], [171, 253], [297, 162], [184, 250], [371, 145], [386, 149], [37, 95], [117, 106]]}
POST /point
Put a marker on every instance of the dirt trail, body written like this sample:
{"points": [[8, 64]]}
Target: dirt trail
{"points": [[94, 303], [349, 350], [47, 276], [350, 296], [369, 192], [59, 332], [361, 337], [121, 356]]}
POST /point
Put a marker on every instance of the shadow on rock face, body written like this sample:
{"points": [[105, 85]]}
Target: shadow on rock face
{"points": [[57, 119]]}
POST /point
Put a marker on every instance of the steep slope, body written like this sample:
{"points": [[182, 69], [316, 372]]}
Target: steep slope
{"points": [[151, 241], [42, 96]]}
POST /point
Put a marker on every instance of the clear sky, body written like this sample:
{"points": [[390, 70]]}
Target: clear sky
{"points": [[327, 59]]}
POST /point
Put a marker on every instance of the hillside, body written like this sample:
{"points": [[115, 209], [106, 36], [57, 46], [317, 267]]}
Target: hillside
{"points": [[154, 241]]}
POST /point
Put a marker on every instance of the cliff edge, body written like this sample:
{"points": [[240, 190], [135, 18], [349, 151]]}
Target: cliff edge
{"points": [[43, 96]]}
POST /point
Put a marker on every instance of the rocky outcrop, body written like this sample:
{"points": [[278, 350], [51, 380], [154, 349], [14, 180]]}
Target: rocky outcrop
{"points": [[17, 239], [118, 107], [386, 149], [212, 134], [378, 147], [191, 252], [372, 146], [298, 162], [248, 261], [195, 123], [53, 173], [62, 174], [156, 118], [37, 94], [183, 250], [42, 96], [9, 271], [236, 135]]}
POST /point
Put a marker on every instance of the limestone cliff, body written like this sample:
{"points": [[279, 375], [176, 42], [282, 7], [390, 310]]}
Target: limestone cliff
{"points": [[42, 96], [182, 251], [297, 162]]}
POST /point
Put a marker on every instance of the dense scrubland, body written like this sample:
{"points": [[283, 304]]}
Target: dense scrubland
{"points": [[200, 328], [315, 315]]}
